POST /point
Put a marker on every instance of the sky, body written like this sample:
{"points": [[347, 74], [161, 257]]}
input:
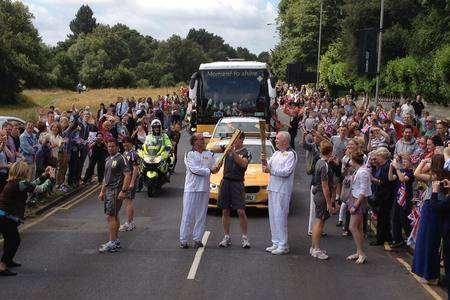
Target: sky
{"points": [[240, 22]]}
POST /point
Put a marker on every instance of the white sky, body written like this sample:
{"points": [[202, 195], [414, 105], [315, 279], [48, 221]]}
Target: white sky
{"points": [[239, 22]]}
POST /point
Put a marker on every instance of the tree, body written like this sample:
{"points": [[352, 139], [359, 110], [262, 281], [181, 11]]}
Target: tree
{"points": [[84, 21], [21, 51], [214, 46], [264, 56]]}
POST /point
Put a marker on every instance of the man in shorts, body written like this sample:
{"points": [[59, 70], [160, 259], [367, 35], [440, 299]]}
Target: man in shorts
{"points": [[323, 198], [232, 193], [132, 160], [114, 189]]}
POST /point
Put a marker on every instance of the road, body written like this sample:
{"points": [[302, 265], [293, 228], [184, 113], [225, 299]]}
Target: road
{"points": [[60, 258]]}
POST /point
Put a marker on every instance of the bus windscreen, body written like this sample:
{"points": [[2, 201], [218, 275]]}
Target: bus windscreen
{"points": [[234, 92]]}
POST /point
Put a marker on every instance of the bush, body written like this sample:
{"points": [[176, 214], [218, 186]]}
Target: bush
{"points": [[167, 80], [143, 83]]}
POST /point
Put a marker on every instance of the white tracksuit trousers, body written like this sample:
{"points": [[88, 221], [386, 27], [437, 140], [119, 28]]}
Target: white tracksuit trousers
{"points": [[195, 206], [312, 211], [278, 214]]}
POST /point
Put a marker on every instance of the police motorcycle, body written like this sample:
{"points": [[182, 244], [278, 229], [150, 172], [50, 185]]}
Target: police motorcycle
{"points": [[155, 160]]}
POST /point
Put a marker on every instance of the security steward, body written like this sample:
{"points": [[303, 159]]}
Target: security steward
{"points": [[232, 192]]}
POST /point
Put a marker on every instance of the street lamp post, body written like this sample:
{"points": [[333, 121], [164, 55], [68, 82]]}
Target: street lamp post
{"points": [[320, 41], [380, 37]]}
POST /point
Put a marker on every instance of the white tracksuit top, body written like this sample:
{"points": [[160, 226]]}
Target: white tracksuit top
{"points": [[198, 171], [282, 167]]}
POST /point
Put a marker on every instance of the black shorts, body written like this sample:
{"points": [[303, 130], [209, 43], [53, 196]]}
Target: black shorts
{"points": [[321, 206], [231, 195], [112, 204]]}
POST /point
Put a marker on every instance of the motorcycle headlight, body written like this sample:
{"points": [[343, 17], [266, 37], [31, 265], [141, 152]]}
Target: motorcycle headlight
{"points": [[213, 186]]}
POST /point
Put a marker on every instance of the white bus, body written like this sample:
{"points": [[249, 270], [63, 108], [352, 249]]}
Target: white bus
{"points": [[231, 88]]}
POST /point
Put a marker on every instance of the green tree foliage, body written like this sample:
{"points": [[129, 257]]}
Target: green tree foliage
{"points": [[298, 22], [22, 56], [84, 21], [100, 55], [415, 52]]}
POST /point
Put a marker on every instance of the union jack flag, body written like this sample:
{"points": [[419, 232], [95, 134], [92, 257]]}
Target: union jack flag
{"points": [[401, 195]]}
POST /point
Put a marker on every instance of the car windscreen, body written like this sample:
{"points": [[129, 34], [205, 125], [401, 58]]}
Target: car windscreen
{"points": [[226, 128], [255, 151]]}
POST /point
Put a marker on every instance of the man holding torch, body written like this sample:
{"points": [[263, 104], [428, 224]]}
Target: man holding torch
{"points": [[281, 167]]}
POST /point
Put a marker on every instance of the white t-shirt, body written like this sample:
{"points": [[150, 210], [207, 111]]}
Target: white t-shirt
{"points": [[361, 183]]}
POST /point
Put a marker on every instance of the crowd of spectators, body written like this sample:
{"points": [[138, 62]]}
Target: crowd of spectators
{"points": [[403, 148], [66, 139]]}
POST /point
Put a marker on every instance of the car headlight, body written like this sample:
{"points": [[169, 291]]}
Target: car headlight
{"points": [[213, 186]]}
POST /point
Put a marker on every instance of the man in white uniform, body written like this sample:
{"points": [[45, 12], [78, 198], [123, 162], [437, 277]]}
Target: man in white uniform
{"points": [[199, 166], [281, 167]]}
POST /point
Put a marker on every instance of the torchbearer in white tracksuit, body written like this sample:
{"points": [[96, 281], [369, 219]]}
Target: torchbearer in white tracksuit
{"points": [[199, 166], [281, 167]]}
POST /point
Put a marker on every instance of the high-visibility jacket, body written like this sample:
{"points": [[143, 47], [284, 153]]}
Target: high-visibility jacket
{"points": [[156, 145]]}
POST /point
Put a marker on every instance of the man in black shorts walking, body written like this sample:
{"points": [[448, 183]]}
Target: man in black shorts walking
{"points": [[132, 160], [232, 193], [113, 192]]}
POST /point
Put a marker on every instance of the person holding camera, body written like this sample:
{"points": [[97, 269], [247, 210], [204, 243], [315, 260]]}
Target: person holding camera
{"points": [[99, 153], [12, 209]]}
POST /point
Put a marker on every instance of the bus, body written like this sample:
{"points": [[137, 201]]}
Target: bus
{"points": [[231, 88]]}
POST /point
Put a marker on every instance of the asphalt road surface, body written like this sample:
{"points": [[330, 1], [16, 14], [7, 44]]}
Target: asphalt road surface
{"points": [[60, 258]]}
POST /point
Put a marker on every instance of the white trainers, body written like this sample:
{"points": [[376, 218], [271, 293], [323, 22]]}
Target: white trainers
{"points": [[319, 254], [280, 251], [226, 242], [271, 248], [245, 242], [131, 226], [127, 227], [124, 227]]}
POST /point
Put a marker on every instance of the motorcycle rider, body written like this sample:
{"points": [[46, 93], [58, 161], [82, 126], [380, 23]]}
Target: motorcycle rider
{"points": [[157, 143]]}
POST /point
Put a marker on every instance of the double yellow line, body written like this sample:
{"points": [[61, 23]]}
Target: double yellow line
{"points": [[66, 206]]}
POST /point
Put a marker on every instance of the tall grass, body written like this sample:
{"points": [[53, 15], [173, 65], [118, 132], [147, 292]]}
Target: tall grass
{"points": [[31, 100]]}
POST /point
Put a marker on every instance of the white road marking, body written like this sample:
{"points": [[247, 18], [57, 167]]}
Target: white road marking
{"points": [[198, 257]]}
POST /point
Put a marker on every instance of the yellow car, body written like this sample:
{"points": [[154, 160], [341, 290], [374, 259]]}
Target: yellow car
{"points": [[255, 180]]}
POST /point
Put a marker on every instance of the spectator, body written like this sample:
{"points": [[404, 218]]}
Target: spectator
{"points": [[426, 259], [418, 106], [98, 156], [407, 144], [28, 147]]}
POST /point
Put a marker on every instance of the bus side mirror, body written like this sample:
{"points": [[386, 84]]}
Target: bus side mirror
{"points": [[271, 87], [193, 84]]}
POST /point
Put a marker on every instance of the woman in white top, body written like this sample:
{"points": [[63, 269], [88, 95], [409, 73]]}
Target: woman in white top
{"points": [[357, 205]]}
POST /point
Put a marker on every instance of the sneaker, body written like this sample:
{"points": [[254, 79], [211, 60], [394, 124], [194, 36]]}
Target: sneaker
{"points": [[184, 246], [117, 243], [245, 243], [271, 248], [198, 244], [131, 226], [280, 251], [124, 227], [226, 242], [109, 247], [397, 244], [339, 224], [319, 254]]}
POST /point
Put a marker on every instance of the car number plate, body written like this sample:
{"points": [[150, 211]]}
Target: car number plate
{"points": [[250, 197]]}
